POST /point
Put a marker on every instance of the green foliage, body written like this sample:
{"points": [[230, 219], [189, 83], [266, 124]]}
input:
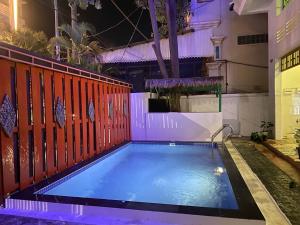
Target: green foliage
{"points": [[265, 126], [262, 135], [183, 7], [285, 3], [258, 137], [112, 71], [86, 51], [83, 4], [26, 39]]}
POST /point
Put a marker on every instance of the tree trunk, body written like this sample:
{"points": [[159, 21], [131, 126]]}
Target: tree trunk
{"points": [[57, 47], [156, 46], [73, 7], [74, 20], [171, 18], [174, 99]]}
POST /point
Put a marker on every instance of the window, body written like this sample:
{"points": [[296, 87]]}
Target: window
{"points": [[290, 60], [252, 39], [217, 53]]}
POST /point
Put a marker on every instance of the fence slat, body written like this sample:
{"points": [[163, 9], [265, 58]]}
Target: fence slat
{"points": [[122, 115], [49, 118], [76, 93], [7, 147], [112, 118], [90, 123], [101, 113], [97, 118], [23, 126], [69, 120], [106, 120], [37, 123], [117, 131], [60, 131], [83, 106]]}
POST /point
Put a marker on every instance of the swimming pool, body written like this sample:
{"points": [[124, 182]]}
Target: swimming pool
{"points": [[176, 183], [188, 175]]}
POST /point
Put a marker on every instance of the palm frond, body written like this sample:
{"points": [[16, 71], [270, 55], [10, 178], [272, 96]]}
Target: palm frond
{"points": [[26, 39], [83, 28], [74, 34], [61, 41]]}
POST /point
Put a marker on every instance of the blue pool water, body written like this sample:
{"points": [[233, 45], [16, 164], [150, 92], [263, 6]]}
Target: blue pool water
{"points": [[186, 175]]}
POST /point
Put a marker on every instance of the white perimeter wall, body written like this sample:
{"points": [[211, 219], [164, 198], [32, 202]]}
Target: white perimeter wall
{"points": [[170, 126], [243, 111]]}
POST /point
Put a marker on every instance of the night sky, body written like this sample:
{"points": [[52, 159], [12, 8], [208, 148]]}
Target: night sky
{"points": [[39, 15]]}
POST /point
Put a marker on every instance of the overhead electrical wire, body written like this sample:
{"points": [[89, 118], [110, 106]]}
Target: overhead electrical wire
{"points": [[131, 37], [113, 26], [247, 64], [133, 33], [128, 19]]}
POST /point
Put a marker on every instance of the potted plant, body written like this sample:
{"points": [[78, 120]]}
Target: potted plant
{"points": [[266, 132], [258, 137], [266, 128], [297, 137]]}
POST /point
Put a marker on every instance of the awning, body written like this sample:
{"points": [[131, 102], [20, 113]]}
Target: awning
{"points": [[199, 82]]}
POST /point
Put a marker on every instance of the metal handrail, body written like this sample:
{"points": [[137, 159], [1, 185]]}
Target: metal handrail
{"points": [[219, 131]]}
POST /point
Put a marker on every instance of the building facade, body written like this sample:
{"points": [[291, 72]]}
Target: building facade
{"points": [[231, 40], [284, 63]]}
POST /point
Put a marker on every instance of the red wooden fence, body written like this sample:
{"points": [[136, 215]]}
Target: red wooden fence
{"points": [[96, 117]]}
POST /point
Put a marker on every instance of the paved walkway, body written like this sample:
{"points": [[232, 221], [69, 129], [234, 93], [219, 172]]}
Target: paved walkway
{"points": [[287, 148], [281, 163], [263, 199], [19, 220], [19, 217]]}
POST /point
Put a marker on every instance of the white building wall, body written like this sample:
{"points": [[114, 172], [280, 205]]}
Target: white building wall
{"points": [[244, 112], [279, 21]]}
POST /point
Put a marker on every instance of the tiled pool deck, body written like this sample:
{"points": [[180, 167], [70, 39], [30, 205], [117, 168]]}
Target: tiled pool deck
{"points": [[19, 220]]}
